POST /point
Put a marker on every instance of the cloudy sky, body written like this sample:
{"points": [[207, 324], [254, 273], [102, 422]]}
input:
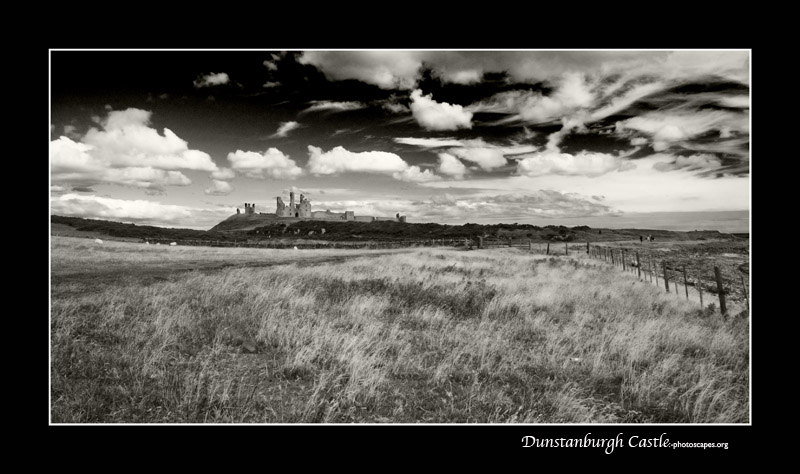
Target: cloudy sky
{"points": [[604, 138]]}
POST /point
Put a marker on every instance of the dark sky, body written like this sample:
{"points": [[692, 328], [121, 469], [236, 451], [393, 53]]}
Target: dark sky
{"points": [[184, 137]]}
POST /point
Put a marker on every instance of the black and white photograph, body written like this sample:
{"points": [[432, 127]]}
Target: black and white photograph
{"points": [[527, 237]]}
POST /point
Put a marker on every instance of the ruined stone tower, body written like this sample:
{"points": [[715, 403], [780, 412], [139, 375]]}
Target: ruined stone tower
{"points": [[302, 210]]}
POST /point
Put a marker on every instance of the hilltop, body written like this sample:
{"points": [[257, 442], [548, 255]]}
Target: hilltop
{"points": [[245, 222]]}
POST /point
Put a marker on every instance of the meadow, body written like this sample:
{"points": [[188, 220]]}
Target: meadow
{"points": [[157, 334]]}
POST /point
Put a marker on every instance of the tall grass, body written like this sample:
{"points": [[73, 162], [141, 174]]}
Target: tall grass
{"points": [[433, 335]]}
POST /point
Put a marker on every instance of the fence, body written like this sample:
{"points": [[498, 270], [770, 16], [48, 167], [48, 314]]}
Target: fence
{"points": [[647, 266]]}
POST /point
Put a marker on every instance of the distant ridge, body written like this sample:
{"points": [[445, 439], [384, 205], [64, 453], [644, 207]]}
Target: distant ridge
{"points": [[260, 226]]}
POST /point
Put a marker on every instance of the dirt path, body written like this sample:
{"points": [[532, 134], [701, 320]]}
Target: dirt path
{"points": [[145, 274]]}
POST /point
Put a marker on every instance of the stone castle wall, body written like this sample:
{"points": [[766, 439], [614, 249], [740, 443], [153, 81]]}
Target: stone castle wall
{"points": [[302, 210]]}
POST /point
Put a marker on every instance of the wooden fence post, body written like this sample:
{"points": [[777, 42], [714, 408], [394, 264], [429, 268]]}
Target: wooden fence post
{"points": [[638, 266], [655, 269], [684, 282], [530, 245], [744, 289], [723, 309], [623, 259], [666, 278], [548, 248], [700, 289], [612, 256], [480, 242], [566, 251], [587, 247]]}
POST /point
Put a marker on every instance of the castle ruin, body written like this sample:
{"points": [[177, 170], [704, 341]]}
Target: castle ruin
{"points": [[301, 209]]}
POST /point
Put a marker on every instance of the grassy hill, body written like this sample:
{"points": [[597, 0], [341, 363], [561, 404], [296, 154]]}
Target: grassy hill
{"points": [[119, 230], [244, 222]]}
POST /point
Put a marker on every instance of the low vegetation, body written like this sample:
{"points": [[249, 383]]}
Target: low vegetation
{"points": [[418, 336], [294, 231]]}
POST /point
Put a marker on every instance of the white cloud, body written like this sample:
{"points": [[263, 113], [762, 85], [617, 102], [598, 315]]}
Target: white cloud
{"points": [[70, 131], [731, 65], [468, 76], [730, 146], [487, 158], [413, 174], [689, 163], [736, 101], [67, 156], [522, 206], [395, 108], [620, 101], [145, 177], [330, 106], [429, 142], [582, 164], [573, 91], [339, 160], [223, 174], [219, 188], [139, 211], [433, 115], [271, 84], [78, 162], [451, 166], [385, 69], [673, 126], [115, 209], [401, 69], [643, 189], [270, 65], [296, 190], [212, 79], [270, 164], [512, 149], [285, 128], [127, 140]]}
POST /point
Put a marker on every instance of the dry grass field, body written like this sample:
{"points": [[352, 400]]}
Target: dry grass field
{"points": [[158, 334]]}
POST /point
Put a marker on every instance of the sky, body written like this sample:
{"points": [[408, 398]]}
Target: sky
{"points": [[606, 138]]}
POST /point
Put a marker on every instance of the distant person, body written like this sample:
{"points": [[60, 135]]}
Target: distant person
{"points": [[600, 231], [641, 239]]}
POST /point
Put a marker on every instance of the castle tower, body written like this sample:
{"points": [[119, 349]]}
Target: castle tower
{"points": [[304, 207]]}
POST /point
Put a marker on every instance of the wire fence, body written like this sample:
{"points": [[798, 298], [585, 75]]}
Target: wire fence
{"points": [[705, 283]]}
